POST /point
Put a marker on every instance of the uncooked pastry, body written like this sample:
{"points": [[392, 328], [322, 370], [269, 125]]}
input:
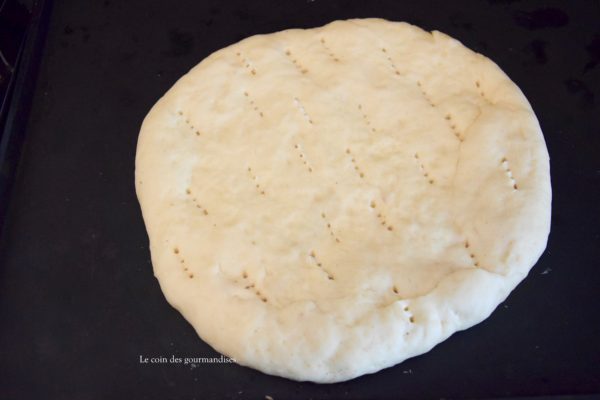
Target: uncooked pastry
{"points": [[325, 203]]}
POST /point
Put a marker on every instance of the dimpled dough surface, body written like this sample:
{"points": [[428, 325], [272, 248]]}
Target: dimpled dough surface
{"points": [[325, 203]]}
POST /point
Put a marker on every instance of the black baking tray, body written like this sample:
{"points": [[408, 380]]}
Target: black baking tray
{"points": [[79, 304]]}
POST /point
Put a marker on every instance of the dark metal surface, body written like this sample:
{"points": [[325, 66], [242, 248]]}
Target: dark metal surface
{"points": [[23, 27], [79, 304]]}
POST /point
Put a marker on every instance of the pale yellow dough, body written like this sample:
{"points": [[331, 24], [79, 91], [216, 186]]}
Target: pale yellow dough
{"points": [[325, 203]]}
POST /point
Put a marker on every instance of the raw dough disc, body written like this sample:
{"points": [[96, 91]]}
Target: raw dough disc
{"points": [[325, 203]]}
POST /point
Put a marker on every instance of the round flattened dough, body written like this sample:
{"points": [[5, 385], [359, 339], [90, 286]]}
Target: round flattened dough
{"points": [[325, 203]]}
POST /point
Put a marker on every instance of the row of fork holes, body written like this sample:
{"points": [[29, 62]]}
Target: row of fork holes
{"points": [[189, 124], [406, 308], [381, 217], [251, 286], [182, 261]]}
